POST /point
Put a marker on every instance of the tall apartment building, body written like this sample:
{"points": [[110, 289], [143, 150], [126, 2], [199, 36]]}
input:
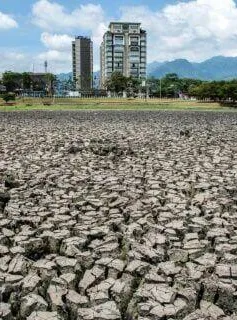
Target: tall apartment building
{"points": [[123, 49], [82, 63]]}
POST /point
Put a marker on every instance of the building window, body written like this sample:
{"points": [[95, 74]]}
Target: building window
{"points": [[134, 59], [118, 40], [118, 48], [134, 49], [134, 28], [134, 55], [125, 27], [108, 37], [118, 54], [134, 41]]}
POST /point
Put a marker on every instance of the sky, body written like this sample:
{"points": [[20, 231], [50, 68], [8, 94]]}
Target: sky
{"points": [[32, 31]]}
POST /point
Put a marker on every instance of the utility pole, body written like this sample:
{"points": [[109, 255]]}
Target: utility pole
{"points": [[46, 66], [160, 89], [147, 91]]}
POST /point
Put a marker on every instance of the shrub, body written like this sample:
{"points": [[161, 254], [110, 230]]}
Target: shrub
{"points": [[8, 97]]}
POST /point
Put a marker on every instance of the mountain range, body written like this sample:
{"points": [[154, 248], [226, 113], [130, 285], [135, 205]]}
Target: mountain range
{"points": [[216, 68]]}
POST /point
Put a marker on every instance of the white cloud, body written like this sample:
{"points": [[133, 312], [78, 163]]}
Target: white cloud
{"points": [[58, 52], [58, 61], [54, 55], [7, 22], [57, 41], [13, 60], [195, 30], [17, 61], [55, 20], [54, 17], [87, 20]]}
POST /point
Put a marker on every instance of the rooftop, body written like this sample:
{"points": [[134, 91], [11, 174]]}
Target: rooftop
{"points": [[82, 38], [120, 22]]}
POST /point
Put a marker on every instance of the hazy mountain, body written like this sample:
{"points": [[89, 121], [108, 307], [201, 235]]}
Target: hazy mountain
{"points": [[151, 67], [216, 68], [64, 76], [67, 76], [182, 67]]}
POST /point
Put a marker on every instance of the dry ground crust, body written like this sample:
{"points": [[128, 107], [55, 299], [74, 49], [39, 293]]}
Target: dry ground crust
{"points": [[109, 215]]}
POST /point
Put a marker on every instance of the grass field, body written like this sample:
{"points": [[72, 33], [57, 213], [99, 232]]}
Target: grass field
{"points": [[111, 104]]}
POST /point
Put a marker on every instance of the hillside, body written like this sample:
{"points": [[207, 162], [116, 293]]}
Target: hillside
{"points": [[216, 68]]}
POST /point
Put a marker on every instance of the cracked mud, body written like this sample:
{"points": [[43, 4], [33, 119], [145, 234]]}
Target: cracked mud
{"points": [[118, 215]]}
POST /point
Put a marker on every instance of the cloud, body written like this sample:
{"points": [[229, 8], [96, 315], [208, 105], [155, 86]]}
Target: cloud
{"points": [[7, 22], [54, 55], [58, 25], [54, 17], [13, 60], [58, 61], [57, 41], [86, 20], [195, 30], [58, 52]]}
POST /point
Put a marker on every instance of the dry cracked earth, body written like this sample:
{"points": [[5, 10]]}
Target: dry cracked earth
{"points": [[118, 215]]}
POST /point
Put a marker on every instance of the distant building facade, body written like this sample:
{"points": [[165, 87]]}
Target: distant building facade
{"points": [[124, 49], [29, 83], [82, 63]]}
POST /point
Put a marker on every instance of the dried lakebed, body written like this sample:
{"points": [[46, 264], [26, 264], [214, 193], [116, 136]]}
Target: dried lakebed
{"points": [[118, 215]]}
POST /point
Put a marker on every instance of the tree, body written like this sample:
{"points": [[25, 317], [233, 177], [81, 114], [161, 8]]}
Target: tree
{"points": [[218, 91], [50, 78], [26, 79], [15, 81], [229, 91], [12, 80], [8, 97], [133, 86], [117, 82]]}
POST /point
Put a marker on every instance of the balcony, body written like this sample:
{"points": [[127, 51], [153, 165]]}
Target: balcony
{"points": [[134, 43], [118, 48]]}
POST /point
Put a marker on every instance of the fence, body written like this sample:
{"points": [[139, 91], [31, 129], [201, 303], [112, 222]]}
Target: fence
{"points": [[65, 100]]}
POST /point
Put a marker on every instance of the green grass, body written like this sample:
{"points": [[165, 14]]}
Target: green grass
{"points": [[115, 104]]}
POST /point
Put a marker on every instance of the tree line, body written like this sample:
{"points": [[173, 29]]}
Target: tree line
{"points": [[217, 91], [169, 86], [15, 81]]}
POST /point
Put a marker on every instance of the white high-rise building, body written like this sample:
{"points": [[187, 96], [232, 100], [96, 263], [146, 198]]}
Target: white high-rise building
{"points": [[123, 49]]}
